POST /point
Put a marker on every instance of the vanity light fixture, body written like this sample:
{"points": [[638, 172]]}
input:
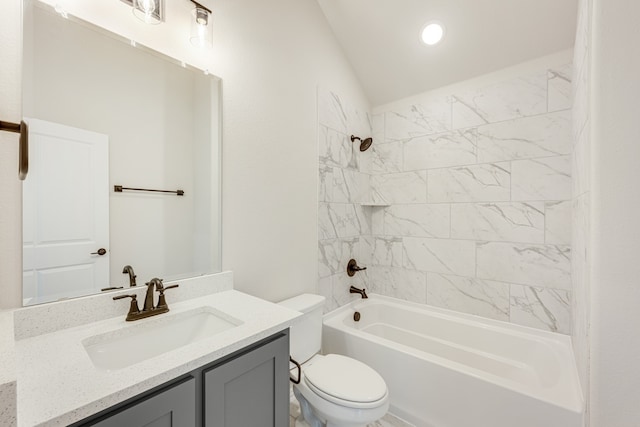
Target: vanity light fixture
{"points": [[432, 33], [201, 26], [148, 11]]}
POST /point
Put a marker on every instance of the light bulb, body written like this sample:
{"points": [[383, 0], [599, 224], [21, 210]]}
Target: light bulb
{"points": [[201, 28], [147, 11], [432, 33]]}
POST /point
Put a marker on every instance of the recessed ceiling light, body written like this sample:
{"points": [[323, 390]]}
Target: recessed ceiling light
{"points": [[432, 33]]}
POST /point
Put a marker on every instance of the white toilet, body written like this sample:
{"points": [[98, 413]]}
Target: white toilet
{"points": [[334, 390]]}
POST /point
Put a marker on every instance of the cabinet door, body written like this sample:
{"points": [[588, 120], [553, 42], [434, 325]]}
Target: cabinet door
{"points": [[251, 390], [172, 407]]}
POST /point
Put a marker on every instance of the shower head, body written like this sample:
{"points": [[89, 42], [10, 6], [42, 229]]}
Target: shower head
{"points": [[364, 143]]}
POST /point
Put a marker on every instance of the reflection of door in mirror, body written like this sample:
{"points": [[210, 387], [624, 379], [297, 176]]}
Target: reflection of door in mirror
{"points": [[66, 213]]}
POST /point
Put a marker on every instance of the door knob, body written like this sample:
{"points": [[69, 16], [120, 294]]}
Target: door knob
{"points": [[101, 251]]}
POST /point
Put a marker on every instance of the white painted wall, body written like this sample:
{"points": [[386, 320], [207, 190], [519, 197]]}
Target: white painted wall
{"points": [[274, 55], [271, 56], [581, 196], [615, 299]]}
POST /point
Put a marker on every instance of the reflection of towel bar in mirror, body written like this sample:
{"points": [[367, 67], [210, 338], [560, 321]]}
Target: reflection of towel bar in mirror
{"points": [[120, 188], [23, 130]]}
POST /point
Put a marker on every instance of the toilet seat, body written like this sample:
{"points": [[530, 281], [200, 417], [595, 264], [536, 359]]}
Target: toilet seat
{"points": [[345, 381]]}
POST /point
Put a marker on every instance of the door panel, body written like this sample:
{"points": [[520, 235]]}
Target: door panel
{"points": [[66, 213]]}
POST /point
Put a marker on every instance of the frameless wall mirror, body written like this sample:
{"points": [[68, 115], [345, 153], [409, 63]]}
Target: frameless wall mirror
{"points": [[107, 113]]}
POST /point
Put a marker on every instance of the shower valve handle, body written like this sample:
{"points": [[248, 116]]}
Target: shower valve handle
{"points": [[352, 268]]}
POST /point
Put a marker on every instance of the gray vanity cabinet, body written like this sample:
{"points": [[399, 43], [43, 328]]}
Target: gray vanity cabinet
{"points": [[172, 407], [248, 388], [251, 390]]}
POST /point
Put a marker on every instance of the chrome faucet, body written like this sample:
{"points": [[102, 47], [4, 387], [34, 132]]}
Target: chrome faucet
{"points": [[362, 292], [148, 309], [132, 276]]}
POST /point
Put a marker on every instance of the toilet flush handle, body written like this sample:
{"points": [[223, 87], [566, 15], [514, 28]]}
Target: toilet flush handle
{"points": [[299, 371]]}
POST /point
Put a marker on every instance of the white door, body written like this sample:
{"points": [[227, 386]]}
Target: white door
{"points": [[65, 213]]}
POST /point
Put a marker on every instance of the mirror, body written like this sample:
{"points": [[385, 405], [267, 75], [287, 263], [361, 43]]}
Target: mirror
{"points": [[106, 113]]}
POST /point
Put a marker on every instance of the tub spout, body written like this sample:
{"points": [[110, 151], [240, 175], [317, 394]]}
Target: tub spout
{"points": [[362, 292]]}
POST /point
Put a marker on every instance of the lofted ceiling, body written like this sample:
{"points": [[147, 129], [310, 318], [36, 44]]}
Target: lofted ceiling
{"points": [[381, 39]]}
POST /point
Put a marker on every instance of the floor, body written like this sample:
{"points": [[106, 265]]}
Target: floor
{"points": [[388, 420]]}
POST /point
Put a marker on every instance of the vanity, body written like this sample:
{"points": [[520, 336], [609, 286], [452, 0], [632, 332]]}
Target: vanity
{"points": [[225, 364]]}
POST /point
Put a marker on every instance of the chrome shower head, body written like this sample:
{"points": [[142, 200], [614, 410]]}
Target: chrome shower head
{"points": [[364, 143]]}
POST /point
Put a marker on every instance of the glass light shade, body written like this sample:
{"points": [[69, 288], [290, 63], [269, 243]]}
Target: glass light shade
{"points": [[432, 33], [201, 28], [148, 11]]}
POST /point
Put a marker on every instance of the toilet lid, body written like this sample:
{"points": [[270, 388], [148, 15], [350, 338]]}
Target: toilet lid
{"points": [[345, 379]]}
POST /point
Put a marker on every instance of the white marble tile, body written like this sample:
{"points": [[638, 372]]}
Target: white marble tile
{"points": [[357, 220], [365, 250], [558, 223], [537, 265], [547, 178], [334, 148], [377, 220], [488, 182], [387, 251], [469, 295], [329, 255], [331, 220], [423, 220], [508, 221], [400, 283], [548, 309], [349, 186], [424, 118], [518, 97], [406, 187], [559, 87], [358, 122], [332, 112], [334, 254], [440, 150], [386, 158], [439, 255], [525, 138], [362, 160], [325, 183], [340, 288], [377, 128]]}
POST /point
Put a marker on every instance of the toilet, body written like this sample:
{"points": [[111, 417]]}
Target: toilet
{"points": [[334, 390]]}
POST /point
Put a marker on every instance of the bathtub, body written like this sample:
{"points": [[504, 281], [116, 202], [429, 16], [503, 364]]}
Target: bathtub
{"points": [[447, 369]]}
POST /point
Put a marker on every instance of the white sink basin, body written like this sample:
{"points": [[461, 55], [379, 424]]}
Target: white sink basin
{"points": [[154, 336]]}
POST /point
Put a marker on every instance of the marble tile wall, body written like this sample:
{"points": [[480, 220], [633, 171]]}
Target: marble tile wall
{"points": [[580, 216], [479, 188], [344, 224]]}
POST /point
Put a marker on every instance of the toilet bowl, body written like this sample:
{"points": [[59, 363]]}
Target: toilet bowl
{"points": [[333, 390]]}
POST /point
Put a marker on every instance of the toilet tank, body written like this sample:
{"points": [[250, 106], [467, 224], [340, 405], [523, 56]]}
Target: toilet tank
{"points": [[306, 331]]}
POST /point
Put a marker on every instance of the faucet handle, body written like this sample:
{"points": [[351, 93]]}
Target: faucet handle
{"points": [[162, 302], [352, 268], [133, 308]]}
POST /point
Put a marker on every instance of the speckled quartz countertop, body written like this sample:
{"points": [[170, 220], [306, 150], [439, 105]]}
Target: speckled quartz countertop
{"points": [[58, 383], [7, 370]]}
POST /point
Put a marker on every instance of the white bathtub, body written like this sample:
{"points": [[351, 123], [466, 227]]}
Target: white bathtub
{"points": [[447, 369]]}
